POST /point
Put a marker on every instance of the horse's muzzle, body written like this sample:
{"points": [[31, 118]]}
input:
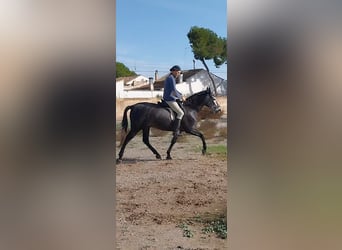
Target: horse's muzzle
{"points": [[217, 109]]}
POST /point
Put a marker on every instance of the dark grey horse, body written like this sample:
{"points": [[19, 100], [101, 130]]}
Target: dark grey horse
{"points": [[145, 115]]}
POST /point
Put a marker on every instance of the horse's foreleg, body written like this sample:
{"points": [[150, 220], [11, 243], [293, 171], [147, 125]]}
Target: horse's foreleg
{"points": [[173, 141], [146, 134], [129, 137], [200, 135]]}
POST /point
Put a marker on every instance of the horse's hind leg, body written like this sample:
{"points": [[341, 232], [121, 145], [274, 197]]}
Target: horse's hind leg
{"points": [[146, 134], [129, 137]]}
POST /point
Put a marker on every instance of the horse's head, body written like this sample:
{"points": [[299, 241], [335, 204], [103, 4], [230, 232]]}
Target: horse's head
{"points": [[211, 102], [203, 98]]}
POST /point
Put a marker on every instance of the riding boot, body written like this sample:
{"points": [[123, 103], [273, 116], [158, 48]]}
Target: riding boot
{"points": [[176, 128]]}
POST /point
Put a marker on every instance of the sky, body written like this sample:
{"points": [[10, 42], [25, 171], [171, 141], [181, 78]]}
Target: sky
{"points": [[152, 34]]}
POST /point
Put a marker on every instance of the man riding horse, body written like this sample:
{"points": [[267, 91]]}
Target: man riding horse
{"points": [[144, 115], [171, 95]]}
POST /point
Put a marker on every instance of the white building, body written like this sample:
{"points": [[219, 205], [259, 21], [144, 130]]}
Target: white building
{"points": [[190, 82]]}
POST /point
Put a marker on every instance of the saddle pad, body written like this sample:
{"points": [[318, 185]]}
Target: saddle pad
{"points": [[172, 114], [164, 105]]}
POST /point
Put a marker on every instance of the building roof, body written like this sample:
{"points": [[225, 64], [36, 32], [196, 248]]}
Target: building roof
{"points": [[132, 82], [159, 84], [186, 75], [126, 79]]}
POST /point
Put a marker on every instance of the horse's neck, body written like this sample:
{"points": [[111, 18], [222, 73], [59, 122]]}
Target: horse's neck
{"points": [[195, 107]]}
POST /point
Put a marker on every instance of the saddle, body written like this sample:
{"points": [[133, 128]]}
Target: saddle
{"points": [[164, 105]]}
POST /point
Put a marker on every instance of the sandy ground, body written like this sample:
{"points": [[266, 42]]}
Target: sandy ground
{"points": [[155, 197]]}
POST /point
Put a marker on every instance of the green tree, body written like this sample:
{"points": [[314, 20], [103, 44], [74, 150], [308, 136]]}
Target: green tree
{"points": [[122, 70], [207, 45]]}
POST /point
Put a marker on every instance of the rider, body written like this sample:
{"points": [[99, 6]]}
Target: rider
{"points": [[171, 95]]}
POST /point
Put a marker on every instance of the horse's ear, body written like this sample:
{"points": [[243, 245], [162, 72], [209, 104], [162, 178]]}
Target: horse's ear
{"points": [[208, 90]]}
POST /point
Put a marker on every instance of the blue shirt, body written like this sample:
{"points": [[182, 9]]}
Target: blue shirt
{"points": [[170, 91]]}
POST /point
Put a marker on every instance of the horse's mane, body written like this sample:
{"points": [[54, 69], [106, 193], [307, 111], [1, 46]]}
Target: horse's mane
{"points": [[189, 100]]}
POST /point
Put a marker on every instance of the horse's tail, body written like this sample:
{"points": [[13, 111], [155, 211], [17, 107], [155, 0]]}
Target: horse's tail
{"points": [[124, 125]]}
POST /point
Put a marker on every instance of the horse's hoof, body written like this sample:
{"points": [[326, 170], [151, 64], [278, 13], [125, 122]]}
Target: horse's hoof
{"points": [[118, 161], [203, 152], [158, 157], [168, 157]]}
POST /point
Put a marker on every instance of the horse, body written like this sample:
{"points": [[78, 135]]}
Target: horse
{"points": [[145, 115]]}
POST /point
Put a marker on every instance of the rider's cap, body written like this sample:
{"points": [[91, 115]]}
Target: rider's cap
{"points": [[175, 68]]}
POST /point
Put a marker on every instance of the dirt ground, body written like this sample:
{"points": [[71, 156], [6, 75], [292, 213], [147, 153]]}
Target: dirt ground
{"points": [[161, 202]]}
